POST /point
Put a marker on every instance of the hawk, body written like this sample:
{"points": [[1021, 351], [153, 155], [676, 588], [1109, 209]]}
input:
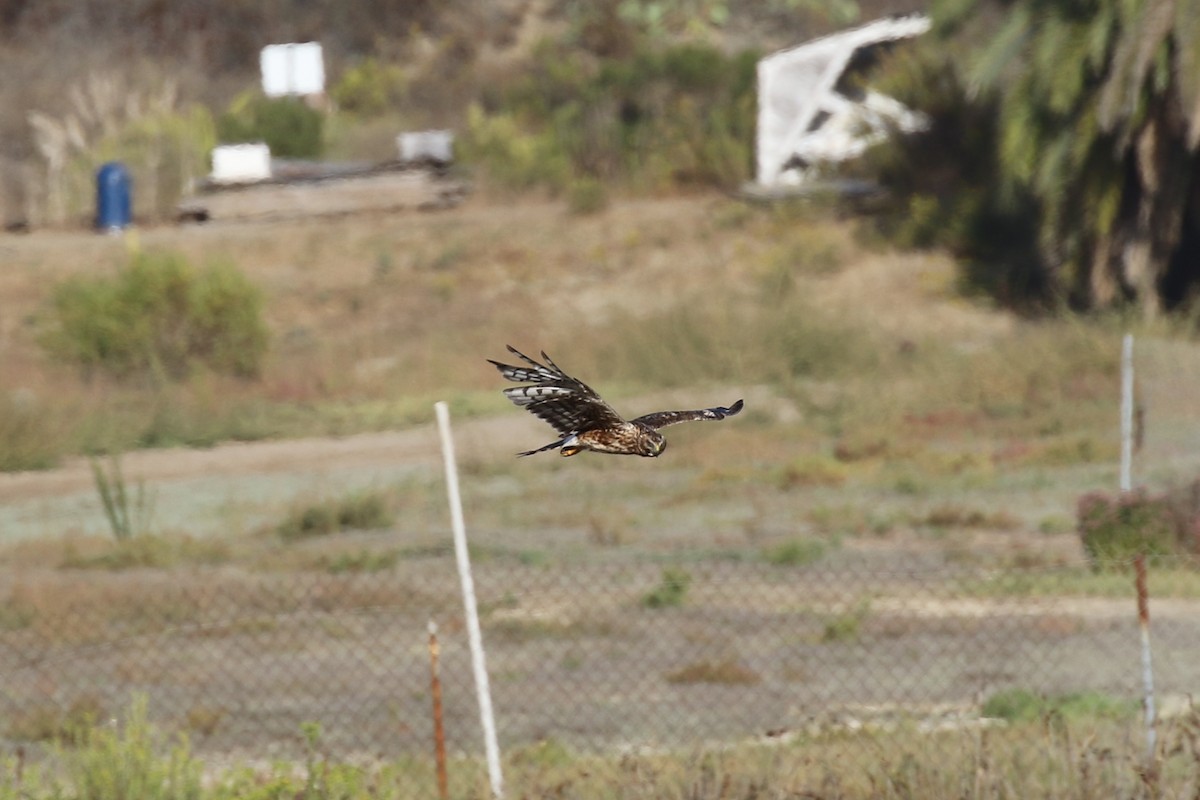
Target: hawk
{"points": [[583, 419]]}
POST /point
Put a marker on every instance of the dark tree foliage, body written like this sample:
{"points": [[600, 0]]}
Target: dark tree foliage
{"points": [[1080, 130]]}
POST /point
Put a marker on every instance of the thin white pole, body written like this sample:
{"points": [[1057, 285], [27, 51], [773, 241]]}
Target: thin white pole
{"points": [[1127, 413], [474, 637]]}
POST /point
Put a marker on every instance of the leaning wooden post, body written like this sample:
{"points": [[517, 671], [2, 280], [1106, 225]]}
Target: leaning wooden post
{"points": [[474, 637], [439, 731]]}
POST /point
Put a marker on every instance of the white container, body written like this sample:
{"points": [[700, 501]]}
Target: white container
{"points": [[241, 163], [426, 146]]}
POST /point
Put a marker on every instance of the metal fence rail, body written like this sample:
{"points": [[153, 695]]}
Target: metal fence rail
{"points": [[609, 656]]}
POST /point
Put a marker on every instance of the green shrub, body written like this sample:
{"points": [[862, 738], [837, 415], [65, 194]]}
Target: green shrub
{"points": [[846, 626], [1022, 705], [676, 115], [289, 127], [358, 511], [512, 157], [126, 518], [131, 760], [369, 88], [671, 591], [795, 552], [158, 316], [1116, 528]]}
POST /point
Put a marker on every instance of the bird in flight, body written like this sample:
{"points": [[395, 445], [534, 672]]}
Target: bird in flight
{"points": [[583, 419]]}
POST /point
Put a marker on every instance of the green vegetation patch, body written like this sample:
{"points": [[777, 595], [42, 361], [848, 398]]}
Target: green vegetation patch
{"points": [[671, 590], [159, 317], [1023, 705], [366, 510]]}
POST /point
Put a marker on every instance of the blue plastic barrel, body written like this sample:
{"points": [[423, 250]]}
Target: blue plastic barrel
{"points": [[114, 207]]}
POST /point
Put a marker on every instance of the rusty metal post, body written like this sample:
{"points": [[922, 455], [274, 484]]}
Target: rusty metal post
{"points": [[1143, 602], [439, 731]]}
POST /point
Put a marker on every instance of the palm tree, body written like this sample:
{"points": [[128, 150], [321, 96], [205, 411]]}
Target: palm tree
{"points": [[1098, 119]]}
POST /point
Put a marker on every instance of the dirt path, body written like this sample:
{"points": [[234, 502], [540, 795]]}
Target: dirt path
{"points": [[231, 486]]}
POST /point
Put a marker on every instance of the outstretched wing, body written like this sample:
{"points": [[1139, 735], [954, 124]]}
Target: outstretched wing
{"points": [[661, 419], [568, 404]]}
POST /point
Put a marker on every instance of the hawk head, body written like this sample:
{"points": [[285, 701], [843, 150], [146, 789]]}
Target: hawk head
{"points": [[651, 443]]}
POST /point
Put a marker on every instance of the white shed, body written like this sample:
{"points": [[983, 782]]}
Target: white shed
{"points": [[292, 69], [803, 118]]}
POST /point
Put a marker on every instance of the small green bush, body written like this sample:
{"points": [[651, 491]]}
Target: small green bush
{"points": [[680, 115], [846, 626], [369, 88], [1115, 528], [159, 317], [671, 592], [795, 552], [1022, 705], [289, 127], [358, 511]]}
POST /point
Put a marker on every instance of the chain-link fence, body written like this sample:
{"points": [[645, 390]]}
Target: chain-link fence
{"points": [[603, 656]]}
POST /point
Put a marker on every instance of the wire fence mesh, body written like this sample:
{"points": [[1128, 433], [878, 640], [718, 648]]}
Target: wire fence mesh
{"points": [[606, 656]]}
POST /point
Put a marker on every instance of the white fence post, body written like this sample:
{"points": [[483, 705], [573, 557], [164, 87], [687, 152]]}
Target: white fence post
{"points": [[474, 637], [1127, 413]]}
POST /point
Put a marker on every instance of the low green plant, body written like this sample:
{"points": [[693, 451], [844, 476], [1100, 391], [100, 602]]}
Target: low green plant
{"points": [[847, 625], [159, 317], [127, 517], [795, 552], [1115, 528], [671, 590], [1023, 705], [369, 88], [289, 127], [132, 760], [362, 561], [365, 510]]}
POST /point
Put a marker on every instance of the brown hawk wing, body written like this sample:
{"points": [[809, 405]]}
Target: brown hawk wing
{"points": [[661, 419], [568, 404]]}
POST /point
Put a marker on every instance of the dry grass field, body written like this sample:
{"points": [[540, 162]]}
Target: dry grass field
{"points": [[890, 424]]}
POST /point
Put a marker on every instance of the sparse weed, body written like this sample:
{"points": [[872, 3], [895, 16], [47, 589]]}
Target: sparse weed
{"points": [[847, 625], [365, 510], [960, 518], [796, 552], [671, 591], [126, 517], [1023, 705], [361, 561]]}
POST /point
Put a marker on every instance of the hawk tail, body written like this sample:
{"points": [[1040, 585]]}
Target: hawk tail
{"points": [[544, 448]]}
